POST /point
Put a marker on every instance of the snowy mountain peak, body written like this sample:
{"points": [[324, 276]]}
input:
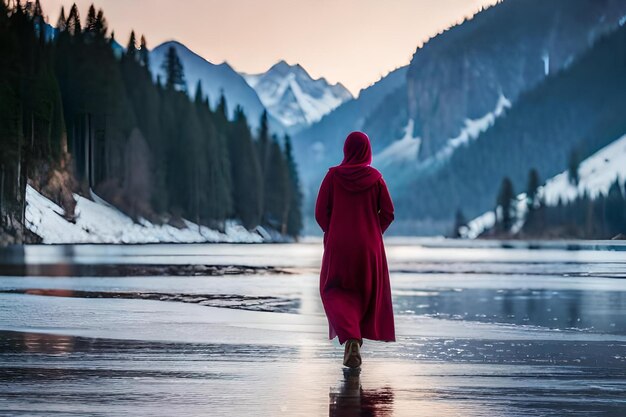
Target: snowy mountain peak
{"points": [[292, 96]]}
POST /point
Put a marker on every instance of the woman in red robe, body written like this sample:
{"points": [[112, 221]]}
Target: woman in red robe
{"points": [[354, 209]]}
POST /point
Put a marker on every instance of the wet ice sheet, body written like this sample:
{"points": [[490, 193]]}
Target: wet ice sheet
{"points": [[483, 343], [113, 377], [242, 302]]}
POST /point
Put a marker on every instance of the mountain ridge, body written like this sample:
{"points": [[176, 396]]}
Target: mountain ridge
{"points": [[215, 79], [295, 98]]}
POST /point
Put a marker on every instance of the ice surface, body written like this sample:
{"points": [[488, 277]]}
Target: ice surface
{"points": [[516, 335]]}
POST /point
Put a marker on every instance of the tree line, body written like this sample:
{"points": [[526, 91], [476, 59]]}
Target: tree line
{"points": [[601, 216], [71, 98]]}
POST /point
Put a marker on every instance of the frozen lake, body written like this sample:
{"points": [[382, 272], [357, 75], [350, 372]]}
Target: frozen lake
{"points": [[482, 331]]}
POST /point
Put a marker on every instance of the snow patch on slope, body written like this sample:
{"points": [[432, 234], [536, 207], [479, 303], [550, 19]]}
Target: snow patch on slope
{"points": [[403, 150], [596, 174], [407, 148], [99, 222], [474, 127], [546, 63]]}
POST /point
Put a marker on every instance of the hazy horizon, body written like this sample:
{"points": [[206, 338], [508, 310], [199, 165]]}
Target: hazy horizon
{"points": [[353, 42]]}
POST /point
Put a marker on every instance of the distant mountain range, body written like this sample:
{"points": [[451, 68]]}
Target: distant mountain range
{"points": [[215, 79], [485, 99], [293, 97]]}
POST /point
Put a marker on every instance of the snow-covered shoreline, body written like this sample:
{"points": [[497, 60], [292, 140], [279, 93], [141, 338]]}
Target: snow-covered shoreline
{"points": [[99, 222], [596, 174]]}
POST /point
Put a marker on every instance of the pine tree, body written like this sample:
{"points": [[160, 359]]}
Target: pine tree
{"points": [[276, 188], [264, 150], [615, 210], [174, 72], [95, 26], [62, 21], [131, 48], [144, 54], [101, 27], [246, 172], [293, 222], [73, 21], [199, 96], [532, 188], [505, 205], [90, 24], [264, 139], [572, 168], [222, 106], [37, 12]]}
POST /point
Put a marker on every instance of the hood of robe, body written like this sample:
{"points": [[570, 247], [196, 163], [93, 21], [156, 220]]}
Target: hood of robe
{"points": [[355, 172]]}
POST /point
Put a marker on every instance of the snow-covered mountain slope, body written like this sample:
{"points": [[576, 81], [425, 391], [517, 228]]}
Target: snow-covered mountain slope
{"points": [[596, 174], [293, 97], [99, 222], [401, 151], [215, 78], [406, 149], [460, 73]]}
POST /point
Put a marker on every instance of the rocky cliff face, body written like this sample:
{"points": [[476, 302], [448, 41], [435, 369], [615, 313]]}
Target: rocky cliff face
{"points": [[504, 50]]}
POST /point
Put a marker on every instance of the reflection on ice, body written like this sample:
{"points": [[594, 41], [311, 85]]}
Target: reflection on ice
{"points": [[351, 399], [597, 311]]}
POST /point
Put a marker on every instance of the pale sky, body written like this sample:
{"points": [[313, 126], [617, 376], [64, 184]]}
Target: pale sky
{"points": [[354, 42]]}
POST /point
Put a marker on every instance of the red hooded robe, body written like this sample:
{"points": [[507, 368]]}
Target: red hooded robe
{"points": [[354, 209]]}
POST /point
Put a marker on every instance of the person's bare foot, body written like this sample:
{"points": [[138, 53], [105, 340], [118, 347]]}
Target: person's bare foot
{"points": [[352, 354]]}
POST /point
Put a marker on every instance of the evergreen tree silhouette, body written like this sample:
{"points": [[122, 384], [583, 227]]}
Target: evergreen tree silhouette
{"points": [[505, 205], [62, 21], [144, 54], [174, 72], [572, 167], [90, 23], [293, 222], [131, 47], [531, 188], [73, 21], [199, 95]]}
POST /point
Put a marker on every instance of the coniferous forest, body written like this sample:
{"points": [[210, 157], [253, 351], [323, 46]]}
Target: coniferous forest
{"points": [[79, 115], [602, 216]]}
